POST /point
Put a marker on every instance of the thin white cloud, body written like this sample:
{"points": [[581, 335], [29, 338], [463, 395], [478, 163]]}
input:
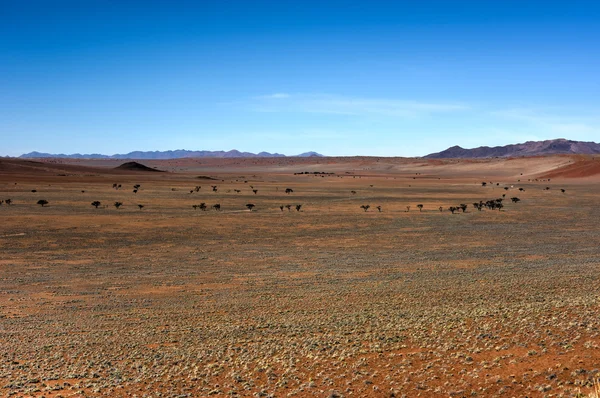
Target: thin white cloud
{"points": [[566, 126], [273, 96], [343, 105]]}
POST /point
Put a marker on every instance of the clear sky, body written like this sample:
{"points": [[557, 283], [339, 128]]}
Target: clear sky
{"points": [[397, 78]]}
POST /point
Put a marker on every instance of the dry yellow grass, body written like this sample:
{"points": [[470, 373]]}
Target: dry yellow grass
{"points": [[330, 300]]}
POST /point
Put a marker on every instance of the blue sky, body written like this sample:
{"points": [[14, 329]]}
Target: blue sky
{"points": [[378, 78]]}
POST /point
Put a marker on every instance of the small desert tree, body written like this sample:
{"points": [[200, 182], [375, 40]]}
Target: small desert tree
{"points": [[420, 206], [202, 206], [281, 207], [365, 207], [118, 204], [515, 199], [463, 207], [353, 192], [289, 190], [379, 208], [141, 206], [8, 201], [255, 191], [483, 184], [96, 203], [452, 209], [298, 207], [289, 207], [563, 190], [42, 202], [441, 209], [407, 209], [250, 206], [217, 207]]}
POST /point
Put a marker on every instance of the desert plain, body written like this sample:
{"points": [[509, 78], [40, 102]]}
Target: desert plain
{"points": [[170, 300]]}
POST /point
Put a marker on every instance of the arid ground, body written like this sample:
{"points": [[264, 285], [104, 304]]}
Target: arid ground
{"points": [[329, 301]]}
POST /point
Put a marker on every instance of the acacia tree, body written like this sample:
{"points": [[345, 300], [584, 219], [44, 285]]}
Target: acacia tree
{"points": [[42, 202], [298, 207], [441, 209], [515, 199], [407, 209], [255, 191], [379, 208], [420, 206], [96, 203], [452, 209], [281, 207], [250, 206], [118, 204], [483, 184], [288, 207], [8, 201], [365, 207], [463, 207], [202, 206], [141, 206], [217, 207], [289, 190]]}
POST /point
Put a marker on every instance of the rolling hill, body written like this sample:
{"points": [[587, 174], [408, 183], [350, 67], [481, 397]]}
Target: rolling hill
{"points": [[530, 148]]}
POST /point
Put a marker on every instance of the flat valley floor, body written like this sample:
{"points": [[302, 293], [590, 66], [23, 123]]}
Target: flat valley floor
{"points": [[329, 301]]}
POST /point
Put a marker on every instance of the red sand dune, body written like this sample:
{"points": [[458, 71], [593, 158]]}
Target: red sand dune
{"points": [[579, 169]]}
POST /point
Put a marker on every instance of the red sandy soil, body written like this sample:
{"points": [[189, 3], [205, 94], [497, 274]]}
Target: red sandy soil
{"points": [[328, 301], [580, 168]]}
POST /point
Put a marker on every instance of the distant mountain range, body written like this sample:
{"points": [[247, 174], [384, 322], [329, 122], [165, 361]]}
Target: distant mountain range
{"points": [[529, 148], [179, 153]]}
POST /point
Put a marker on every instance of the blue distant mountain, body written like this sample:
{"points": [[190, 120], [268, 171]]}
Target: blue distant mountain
{"points": [[176, 154]]}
